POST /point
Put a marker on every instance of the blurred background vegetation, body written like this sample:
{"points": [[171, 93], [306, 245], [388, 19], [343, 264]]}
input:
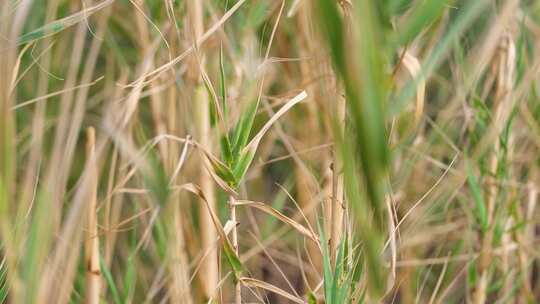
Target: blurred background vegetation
{"points": [[291, 151]]}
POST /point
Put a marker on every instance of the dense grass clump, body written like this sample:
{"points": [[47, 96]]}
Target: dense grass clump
{"points": [[291, 151]]}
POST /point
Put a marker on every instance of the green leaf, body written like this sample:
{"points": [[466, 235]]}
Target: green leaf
{"points": [[38, 242], [244, 152], [311, 298], [156, 180], [422, 16], [398, 7], [330, 18], [223, 85], [498, 228], [480, 208], [3, 282], [41, 32], [358, 268], [243, 128], [226, 150], [213, 108], [233, 259], [369, 234], [257, 14], [328, 276], [242, 165], [472, 275], [61, 24], [468, 13], [223, 171], [339, 290], [110, 281], [366, 88], [130, 277]]}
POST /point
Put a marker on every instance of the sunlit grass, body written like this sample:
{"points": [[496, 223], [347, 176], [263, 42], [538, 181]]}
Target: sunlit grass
{"points": [[269, 151]]}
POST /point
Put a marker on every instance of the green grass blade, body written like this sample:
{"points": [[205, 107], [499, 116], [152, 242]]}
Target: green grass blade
{"points": [[328, 276], [110, 281], [156, 180], [223, 172], [480, 208], [365, 87], [62, 24], [130, 277], [212, 108], [243, 128], [311, 299], [226, 150], [242, 165], [233, 260], [332, 25], [338, 286], [370, 235], [3, 282], [468, 14], [423, 16], [223, 85]]}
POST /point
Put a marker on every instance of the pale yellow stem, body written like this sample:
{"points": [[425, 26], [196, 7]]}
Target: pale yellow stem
{"points": [[93, 273]]}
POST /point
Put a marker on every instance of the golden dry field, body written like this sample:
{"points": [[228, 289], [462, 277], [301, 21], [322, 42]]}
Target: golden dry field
{"points": [[257, 151]]}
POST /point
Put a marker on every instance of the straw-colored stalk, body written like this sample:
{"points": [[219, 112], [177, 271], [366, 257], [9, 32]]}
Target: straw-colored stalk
{"points": [[10, 26], [209, 269], [505, 79], [338, 205], [526, 290], [38, 122], [93, 274]]}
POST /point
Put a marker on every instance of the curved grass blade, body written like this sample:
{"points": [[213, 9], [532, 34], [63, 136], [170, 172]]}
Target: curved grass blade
{"points": [[231, 256], [62, 24], [248, 152], [422, 16], [271, 211], [267, 286], [468, 14]]}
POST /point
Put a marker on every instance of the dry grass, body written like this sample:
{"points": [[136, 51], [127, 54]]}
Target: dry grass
{"points": [[269, 151]]}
